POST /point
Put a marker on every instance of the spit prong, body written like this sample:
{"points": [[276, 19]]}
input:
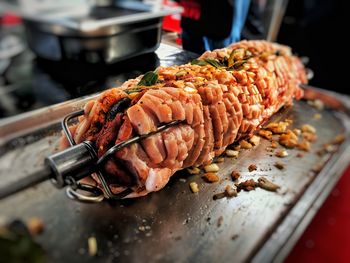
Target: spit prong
{"points": [[138, 138]]}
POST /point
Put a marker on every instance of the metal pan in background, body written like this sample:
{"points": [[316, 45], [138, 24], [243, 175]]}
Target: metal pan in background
{"points": [[98, 34]]}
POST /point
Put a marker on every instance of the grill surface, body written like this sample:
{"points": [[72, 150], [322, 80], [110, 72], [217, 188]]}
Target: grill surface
{"points": [[175, 224]]}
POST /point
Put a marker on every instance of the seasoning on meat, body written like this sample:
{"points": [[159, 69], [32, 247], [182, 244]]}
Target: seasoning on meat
{"points": [[219, 102]]}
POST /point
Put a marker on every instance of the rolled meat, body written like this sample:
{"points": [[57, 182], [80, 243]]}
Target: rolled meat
{"points": [[221, 97]]}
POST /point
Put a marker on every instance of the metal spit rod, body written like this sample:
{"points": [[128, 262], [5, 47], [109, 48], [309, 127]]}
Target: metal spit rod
{"points": [[72, 164]]}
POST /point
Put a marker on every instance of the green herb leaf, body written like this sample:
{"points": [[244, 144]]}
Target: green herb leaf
{"points": [[238, 65], [198, 62], [132, 90], [231, 59], [214, 62], [150, 78]]}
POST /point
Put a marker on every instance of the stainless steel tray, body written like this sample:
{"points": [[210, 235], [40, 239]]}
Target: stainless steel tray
{"points": [[96, 34], [175, 225]]}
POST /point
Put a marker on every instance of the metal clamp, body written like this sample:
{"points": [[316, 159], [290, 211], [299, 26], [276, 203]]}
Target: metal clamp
{"points": [[72, 191], [95, 195]]}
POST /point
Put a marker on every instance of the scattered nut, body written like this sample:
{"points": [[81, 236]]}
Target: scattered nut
{"points": [[211, 168], [92, 246], [267, 185], [274, 144], [211, 177], [230, 191], [317, 116], [281, 153], [247, 185], [279, 165], [194, 170], [317, 104], [35, 226], [288, 139], [245, 145], [220, 221], [219, 196], [297, 132], [308, 128], [265, 134], [220, 160], [255, 140], [277, 127], [339, 139], [235, 175], [304, 146], [237, 147], [311, 137], [194, 187], [317, 168], [252, 167], [300, 155], [232, 153], [329, 148]]}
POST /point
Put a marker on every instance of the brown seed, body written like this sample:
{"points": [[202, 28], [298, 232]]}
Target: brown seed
{"points": [[279, 165], [339, 139], [219, 196], [274, 144], [245, 145], [220, 160], [220, 221], [304, 146], [237, 147], [311, 137], [211, 177], [247, 185], [230, 191], [235, 175], [35, 226], [267, 185], [281, 153], [300, 155], [252, 167], [265, 134]]}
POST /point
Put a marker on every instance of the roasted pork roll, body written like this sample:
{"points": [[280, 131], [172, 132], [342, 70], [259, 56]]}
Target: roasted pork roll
{"points": [[221, 97]]}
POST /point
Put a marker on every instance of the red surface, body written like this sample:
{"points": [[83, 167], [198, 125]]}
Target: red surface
{"points": [[171, 22], [327, 238], [10, 19]]}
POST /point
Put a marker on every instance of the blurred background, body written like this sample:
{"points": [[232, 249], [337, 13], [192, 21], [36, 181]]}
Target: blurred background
{"points": [[55, 50]]}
